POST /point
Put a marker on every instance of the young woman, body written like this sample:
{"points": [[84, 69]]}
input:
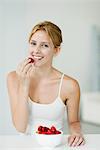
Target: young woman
{"points": [[39, 93]]}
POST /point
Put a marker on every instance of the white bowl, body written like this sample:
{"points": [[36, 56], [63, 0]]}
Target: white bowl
{"points": [[51, 140]]}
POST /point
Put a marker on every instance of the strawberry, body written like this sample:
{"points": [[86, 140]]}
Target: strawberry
{"points": [[58, 132], [43, 129], [49, 131], [31, 60], [53, 129], [40, 128], [46, 129], [40, 132]]}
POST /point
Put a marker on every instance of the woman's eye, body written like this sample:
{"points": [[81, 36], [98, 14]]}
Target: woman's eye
{"points": [[33, 43], [45, 45]]}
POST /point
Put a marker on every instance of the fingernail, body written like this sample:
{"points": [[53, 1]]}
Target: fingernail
{"points": [[69, 144], [73, 145]]}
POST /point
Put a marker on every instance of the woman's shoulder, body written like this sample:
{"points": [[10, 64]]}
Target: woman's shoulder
{"points": [[70, 80], [67, 80], [12, 76], [70, 84]]}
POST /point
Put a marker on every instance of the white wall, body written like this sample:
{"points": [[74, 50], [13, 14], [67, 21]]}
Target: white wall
{"points": [[18, 17]]}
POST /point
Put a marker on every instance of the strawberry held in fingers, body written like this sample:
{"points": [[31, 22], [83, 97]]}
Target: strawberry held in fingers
{"points": [[31, 60]]}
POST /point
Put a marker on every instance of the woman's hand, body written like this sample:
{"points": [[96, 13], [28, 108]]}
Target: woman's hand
{"points": [[24, 68], [24, 72], [76, 140]]}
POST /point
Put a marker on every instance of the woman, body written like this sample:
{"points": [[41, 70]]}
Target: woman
{"points": [[39, 93]]}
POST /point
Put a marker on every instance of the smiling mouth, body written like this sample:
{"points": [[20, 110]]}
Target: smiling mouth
{"points": [[38, 57]]}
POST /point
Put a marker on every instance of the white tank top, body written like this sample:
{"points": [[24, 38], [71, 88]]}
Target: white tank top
{"points": [[46, 114]]}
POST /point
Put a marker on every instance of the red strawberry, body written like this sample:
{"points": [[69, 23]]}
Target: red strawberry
{"points": [[46, 129], [53, 129], [39, 132], [31, 60], [49, 131], [58, 132], [43, 129], [40, 128]]}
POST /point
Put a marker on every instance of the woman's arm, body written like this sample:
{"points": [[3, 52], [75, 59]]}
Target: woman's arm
{"points": [[18, 97], [18, 83], [73, 102]]}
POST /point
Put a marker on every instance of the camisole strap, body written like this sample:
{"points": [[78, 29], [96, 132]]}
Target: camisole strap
{"points": [[60, 85]]}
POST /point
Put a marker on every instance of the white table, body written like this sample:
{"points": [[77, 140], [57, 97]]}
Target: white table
{"points": [[27, 142]]}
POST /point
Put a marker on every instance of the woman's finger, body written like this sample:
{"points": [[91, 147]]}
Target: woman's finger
{"points": [[26, 68], [71, 140], [29, 72], [77, 138], [81, 142], [22, 65], [25, 63]]}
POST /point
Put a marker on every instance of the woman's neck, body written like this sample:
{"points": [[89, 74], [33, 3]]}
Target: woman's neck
{"points": [[43, 72]]}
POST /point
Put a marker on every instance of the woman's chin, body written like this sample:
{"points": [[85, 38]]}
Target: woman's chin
{"points": [[39, 63]]}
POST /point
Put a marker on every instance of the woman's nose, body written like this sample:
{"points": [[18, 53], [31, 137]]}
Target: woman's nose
{"points": [[35, 50]]}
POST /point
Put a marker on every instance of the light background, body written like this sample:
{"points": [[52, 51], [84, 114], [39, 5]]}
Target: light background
{"points": [[77, 19]]}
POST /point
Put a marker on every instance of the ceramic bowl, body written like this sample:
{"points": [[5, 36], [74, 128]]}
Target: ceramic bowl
{"points": [[51, 140]]}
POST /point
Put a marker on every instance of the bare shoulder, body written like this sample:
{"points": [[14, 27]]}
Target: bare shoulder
{"points": [[70, 86], [71, 82], [12, 85], [12, 77]]}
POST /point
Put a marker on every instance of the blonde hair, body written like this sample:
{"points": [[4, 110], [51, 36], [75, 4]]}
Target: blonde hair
{"points": [[51, 29]]}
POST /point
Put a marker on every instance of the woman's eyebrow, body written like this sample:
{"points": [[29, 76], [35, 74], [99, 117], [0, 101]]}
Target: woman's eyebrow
{"points": [[33, 41], [43, 42]]}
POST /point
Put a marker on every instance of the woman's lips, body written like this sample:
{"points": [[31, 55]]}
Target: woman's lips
{"points": [[38, 57], [35, 59]]}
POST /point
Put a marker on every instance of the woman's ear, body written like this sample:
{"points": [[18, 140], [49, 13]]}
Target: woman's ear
{"points": [[57, 50]]}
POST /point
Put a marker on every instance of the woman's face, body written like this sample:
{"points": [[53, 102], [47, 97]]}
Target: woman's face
{"points": [[41, 48]]}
